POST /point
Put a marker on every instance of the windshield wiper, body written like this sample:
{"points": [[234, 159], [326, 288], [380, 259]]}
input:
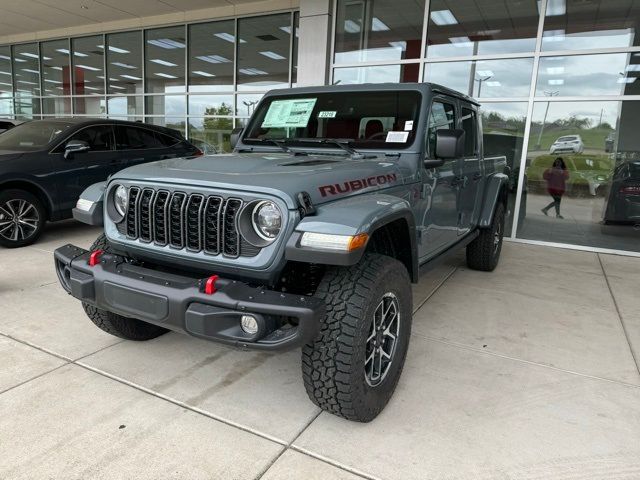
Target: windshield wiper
{"points": [[342, 143], [278, 142]]}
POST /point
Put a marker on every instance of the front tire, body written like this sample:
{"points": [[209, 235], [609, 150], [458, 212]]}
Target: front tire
{"points": [[118, 325], [22, 218], [353, 366], [484, 252]]}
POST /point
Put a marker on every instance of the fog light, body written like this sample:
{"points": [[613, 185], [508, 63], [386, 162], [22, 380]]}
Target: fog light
{"points": [[249, 324]]}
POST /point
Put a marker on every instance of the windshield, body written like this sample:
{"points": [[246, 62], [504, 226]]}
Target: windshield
{"points": [[32, 136], [566, 139], [380, 120]]}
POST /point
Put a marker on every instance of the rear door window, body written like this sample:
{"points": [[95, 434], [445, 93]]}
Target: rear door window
{"points": [[470, 127], [136, 138]]}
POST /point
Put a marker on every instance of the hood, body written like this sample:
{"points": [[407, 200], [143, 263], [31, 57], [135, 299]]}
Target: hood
{"points": [[324, 177]]}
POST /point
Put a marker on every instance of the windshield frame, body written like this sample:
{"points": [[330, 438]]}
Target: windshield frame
{"points": [[315, 143]]}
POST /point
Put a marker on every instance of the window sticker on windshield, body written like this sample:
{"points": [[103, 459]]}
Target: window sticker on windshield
{"points": [[289, 113], [397, 137], [327, 114], [408, 125]]}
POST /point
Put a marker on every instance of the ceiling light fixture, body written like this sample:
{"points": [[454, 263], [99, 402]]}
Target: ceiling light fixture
{"points": [[163, 62], [273, 55], [88, 67], [166, 43], [203, 74], [213, 59], [165, 75], [378, 25], [443, 17]]}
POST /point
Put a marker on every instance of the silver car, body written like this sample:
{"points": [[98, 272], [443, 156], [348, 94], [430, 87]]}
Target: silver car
{"points": [[568, 143]]}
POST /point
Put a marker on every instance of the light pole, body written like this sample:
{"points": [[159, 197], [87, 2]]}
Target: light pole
{"points": [[249, 105], [480, 80], [547, 93]]}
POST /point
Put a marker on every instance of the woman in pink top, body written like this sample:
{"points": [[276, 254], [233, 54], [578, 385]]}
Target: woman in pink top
{"points": [[556, 178]]}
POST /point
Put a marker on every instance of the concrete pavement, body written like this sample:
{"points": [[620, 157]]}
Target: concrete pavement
{"points": [[528, 372]]}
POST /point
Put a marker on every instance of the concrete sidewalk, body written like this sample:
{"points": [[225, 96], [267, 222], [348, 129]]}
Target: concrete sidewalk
{"points": [[529, 372]]}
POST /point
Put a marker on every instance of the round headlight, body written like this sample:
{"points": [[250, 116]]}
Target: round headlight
{"points": [[267, 220], [121, 199]]}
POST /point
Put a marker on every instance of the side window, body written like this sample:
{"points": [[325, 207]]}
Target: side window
{"points": [[442, 116], [470, 127], [135, 138], [166, 140], [99, 138]]}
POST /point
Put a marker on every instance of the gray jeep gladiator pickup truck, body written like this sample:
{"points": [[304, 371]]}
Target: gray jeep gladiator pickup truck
{"points": [[308, 235]]}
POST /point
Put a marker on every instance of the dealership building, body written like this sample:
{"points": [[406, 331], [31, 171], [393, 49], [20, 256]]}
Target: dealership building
{"points": [[555, 78]]}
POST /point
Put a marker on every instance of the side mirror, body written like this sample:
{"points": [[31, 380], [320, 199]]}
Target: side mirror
{"points": [[449, 144], [75, 146], [235, 135]]}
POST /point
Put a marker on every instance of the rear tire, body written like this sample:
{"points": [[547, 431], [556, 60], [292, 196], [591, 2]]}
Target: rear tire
{"points": [[117, 325], [344, 369], [22, 218], [484, 252]]}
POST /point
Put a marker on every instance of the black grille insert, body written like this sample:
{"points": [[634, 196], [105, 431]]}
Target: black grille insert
{"points": [[187, 221]]}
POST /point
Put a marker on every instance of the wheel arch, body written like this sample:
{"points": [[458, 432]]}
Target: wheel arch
{"points": [[33, 188]]}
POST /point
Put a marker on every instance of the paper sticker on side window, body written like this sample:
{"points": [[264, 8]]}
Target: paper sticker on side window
{"points": [[327, 114], [397, 137], [289, 113]]}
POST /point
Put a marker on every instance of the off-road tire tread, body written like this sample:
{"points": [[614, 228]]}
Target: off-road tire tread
{"points": [[327, 361], [480, 252], [117, 325]]}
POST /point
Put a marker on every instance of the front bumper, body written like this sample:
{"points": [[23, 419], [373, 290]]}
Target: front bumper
{"points": [[179, 303]]}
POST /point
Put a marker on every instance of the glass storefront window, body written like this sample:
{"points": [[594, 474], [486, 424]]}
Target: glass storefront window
{"points": [[468, 27], [165, 60], [484, 79], [6, 88], [170, 105], [583, 175], [211, 135], [211, 105], [89, 106], [124, 63], [579, 25], [264, 45], [378, 31], [6, 107], [585, 75], [246, 103], [124, 106], [211, 56], [56, 106], [26, 70], [56, 69], [177, 123], [503, 125], [88, 65], [294, 66], [403, 73], [26, 107]]}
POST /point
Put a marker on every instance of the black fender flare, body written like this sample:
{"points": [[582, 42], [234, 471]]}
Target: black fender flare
{"points": [[495, 191]]}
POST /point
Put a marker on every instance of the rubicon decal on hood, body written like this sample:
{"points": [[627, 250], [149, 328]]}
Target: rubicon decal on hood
{"points": [[355, 185]]}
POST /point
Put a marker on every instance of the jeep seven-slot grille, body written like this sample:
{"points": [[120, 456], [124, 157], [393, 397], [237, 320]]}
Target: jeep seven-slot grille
{"points": [[193, 222]]}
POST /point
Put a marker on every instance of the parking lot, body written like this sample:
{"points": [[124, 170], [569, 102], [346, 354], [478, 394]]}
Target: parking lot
{"points": [[529, 372]]}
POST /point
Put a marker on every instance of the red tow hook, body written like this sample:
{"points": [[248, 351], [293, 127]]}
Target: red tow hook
{"points": [[94, 259], [210, 285]]}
